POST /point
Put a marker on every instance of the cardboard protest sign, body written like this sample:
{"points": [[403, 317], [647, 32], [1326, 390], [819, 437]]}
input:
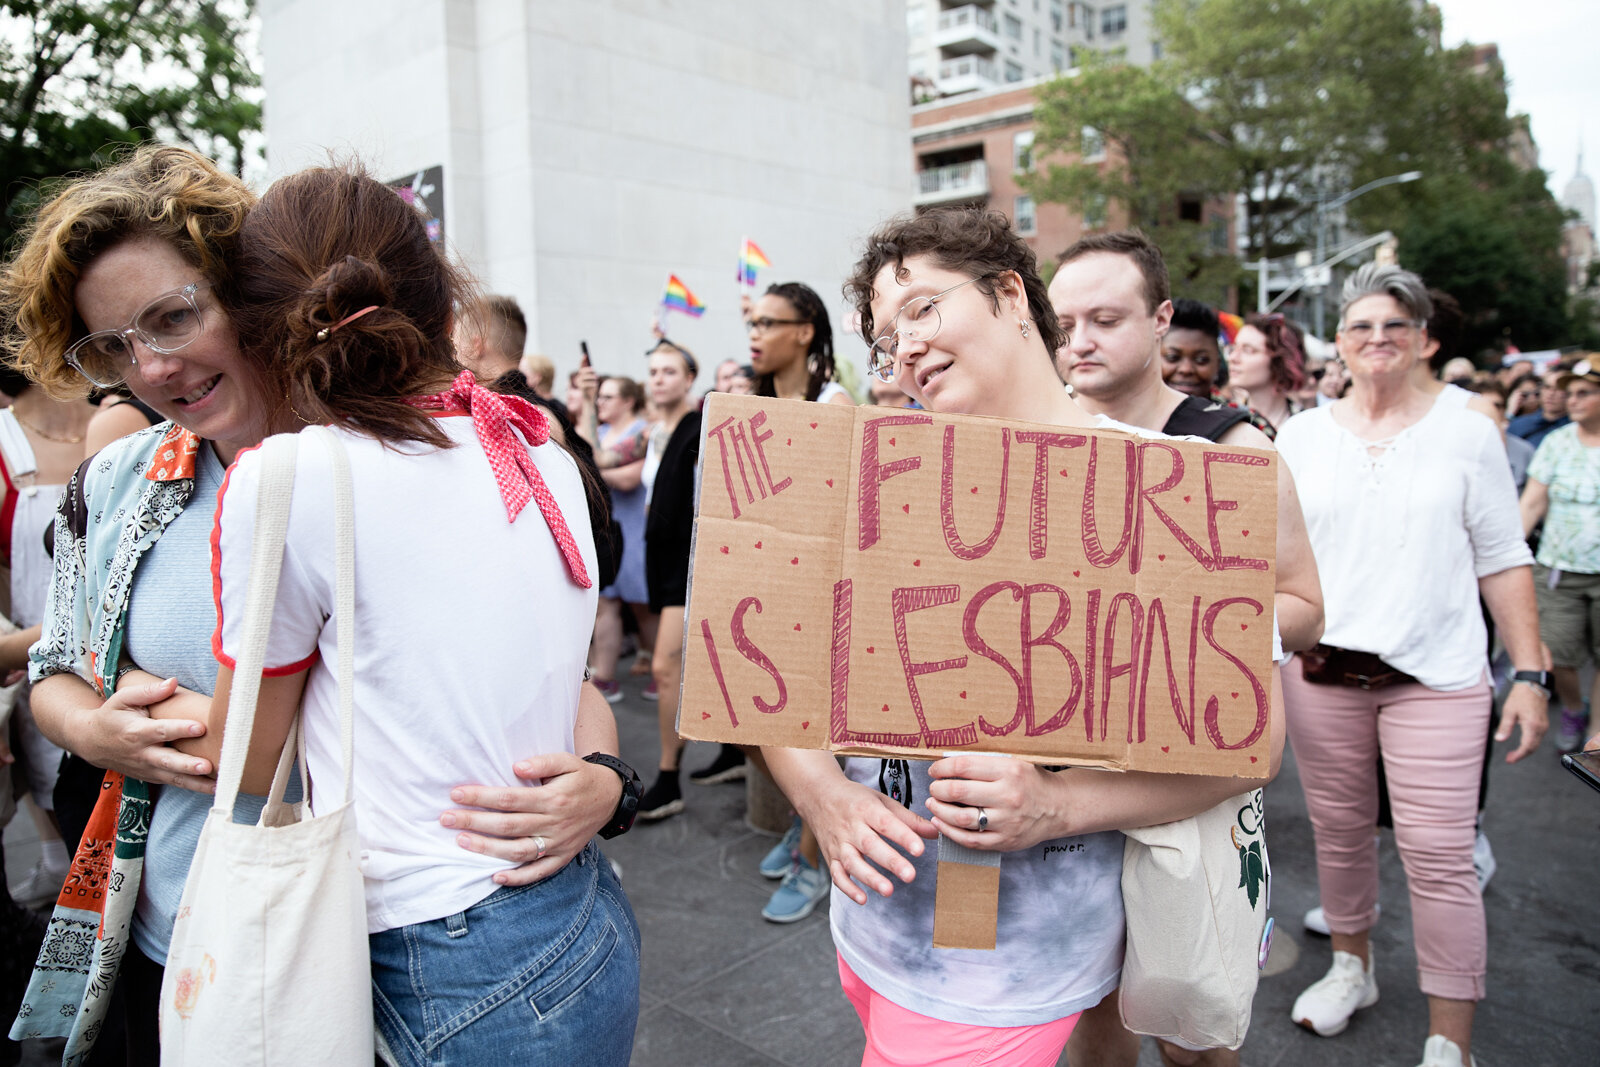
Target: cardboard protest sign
{"points": [[900, 583]]}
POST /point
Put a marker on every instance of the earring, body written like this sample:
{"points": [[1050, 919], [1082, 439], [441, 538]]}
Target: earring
{"points": [[1022, 324]]}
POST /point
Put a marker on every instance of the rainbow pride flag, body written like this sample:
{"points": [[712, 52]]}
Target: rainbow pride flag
{"points": [[750, 258], [1231, 325], [679, 298]]}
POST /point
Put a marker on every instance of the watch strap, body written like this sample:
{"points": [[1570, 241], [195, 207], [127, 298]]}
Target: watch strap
{"points": [[628, 803]]}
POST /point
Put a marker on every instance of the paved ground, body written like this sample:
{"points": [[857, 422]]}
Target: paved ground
{"points": [[721, 986]]}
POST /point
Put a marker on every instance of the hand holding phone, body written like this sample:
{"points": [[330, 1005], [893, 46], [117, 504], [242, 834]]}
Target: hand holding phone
{"points": [[583, 346], [1585, 765]]}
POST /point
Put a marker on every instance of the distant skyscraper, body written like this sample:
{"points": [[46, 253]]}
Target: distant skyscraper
{"points": [[1578, 238]]}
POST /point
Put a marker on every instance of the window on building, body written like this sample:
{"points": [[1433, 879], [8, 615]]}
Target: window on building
{"points": [[1022, 150], [1013, 71], [1022, 213], [1155, 49], [1190, 209], [1038, 44], [1094, 145], [1114, 19], [1058, 56], [1094, 212], [1058, 16], [1013, 27], [916, 20]]}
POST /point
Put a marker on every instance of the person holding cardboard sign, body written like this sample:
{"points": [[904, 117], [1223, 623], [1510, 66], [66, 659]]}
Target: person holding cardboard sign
{"points": [[1413, 516], [954, 309]]}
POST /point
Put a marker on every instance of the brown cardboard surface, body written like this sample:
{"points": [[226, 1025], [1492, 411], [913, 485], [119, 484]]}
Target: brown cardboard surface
{"points": [[877, 582], [966, 906]]}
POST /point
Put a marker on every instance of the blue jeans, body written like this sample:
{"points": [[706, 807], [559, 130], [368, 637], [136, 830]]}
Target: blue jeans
{"points": [[542, 973]]}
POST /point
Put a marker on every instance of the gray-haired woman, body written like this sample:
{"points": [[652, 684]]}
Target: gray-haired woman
{"points": [[1412, 515]]}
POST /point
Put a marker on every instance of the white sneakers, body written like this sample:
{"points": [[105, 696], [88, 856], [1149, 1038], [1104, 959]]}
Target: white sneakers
{"points": [[1326, 1005], [1440, 1051], [1316, 919]]}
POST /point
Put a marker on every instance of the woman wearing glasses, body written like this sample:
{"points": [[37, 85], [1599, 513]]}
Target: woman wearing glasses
{"points": [[956, 313], [1412, 516], [1267, 360]]}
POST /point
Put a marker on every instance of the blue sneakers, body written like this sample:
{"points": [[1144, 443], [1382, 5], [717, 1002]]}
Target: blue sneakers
{"points": [[797, 897], [775, 864]]}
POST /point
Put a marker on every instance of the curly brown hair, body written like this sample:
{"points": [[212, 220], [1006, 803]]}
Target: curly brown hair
{"points": [[157, 191], [974, 242]]}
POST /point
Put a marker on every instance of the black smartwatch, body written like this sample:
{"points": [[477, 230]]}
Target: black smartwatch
{"points": [[627, 803], [1540, 680]]}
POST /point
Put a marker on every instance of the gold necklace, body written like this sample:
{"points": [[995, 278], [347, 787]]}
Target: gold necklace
{"points": [[70, 440]]}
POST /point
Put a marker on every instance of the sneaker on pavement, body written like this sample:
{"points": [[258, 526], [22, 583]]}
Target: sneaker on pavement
{"points": [[663, 798], [797, 897], [727, 767], [775, 864], [1326, 1005], [41, 884], [1316, 920], [611, 689], [651, 691], [1440, 1051], [1573, 724], [1483, 861]]}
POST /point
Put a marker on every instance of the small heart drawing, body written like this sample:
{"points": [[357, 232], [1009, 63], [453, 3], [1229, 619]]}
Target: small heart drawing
{"points": [[1186, 499], [758, 544], [974, 489], [1252, 759], [1235, 695], [1244, 533], [1161, 556], [906, 508], [916, 563], [705, 715], [795, 562], [724, 550], [1074, 574], [963, 694], [1063, 472], [891, 441], [830, 483], [1165, 748], [797, 630], [806, 724], [886, 707], [1244, 626], [813, 426], [871, 650], [788, 441]]}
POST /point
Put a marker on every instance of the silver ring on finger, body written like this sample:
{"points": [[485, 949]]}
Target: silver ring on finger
{"points": [[983, 820], [539, 846]]}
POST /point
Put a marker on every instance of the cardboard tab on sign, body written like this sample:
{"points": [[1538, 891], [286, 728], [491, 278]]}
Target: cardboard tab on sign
{"points": [[900, 583], [966, 898]]}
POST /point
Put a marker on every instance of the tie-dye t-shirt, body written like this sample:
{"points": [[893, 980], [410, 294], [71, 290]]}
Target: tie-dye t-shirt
{"points": [[1571, 538]]}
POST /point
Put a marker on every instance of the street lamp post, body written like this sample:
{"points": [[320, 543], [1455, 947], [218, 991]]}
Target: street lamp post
{"points": [[1321, 264]]}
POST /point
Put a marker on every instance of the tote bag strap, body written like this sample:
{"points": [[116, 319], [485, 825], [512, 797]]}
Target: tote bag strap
{"points": [[278, 461]]}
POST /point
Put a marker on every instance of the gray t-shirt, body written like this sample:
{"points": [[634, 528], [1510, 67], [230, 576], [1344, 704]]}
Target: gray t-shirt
{"points": [[1059, 944], [171, 617]]}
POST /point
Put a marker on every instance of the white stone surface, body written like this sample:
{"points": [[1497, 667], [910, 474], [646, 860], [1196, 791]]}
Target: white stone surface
{"points": [[592, 147]]}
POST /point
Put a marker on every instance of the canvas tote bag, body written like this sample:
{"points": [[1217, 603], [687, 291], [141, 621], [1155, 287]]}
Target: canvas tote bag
{"points": [[1196, 894], [269, 964]]}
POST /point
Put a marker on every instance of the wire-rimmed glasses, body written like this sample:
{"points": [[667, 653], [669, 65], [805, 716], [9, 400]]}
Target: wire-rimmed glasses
{"points": [[917, 320]]}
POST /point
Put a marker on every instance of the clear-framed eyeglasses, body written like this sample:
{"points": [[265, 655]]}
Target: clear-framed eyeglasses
{"points": [[1362, 332], [917, 320], [166, 324]]}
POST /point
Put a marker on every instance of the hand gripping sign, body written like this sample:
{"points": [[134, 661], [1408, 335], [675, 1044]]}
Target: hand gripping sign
{"points": [[899, 583]]}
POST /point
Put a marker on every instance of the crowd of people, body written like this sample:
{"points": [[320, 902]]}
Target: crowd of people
{"points": [[1415, 628]]}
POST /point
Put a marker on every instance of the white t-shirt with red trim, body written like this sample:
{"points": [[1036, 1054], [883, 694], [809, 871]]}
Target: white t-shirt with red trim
{"points": [[471, 641]]}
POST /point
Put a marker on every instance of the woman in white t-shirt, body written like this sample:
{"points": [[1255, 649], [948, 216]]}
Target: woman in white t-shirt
{"points": [[474, 575], [960, 318], [1412, 516]]}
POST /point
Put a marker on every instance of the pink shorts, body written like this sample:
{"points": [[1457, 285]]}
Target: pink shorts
{"points": [[898, 1037]]}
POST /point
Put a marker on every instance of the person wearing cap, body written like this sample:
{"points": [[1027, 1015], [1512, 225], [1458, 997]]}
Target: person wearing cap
{"points": [[1551, 415], [1563, 490]]}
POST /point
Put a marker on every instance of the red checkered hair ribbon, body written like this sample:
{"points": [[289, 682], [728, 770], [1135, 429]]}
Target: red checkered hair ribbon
{"points": [[494, 415]]}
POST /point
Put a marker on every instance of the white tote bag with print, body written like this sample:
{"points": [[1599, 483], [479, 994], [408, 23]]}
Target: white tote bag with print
{"points": [[1196, 893], [269, 964]]}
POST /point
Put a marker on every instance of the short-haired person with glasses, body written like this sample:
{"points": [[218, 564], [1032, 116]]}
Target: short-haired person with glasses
{"points": [[954, 310], [1412, 516], [1563, 491], [1268, 361]]}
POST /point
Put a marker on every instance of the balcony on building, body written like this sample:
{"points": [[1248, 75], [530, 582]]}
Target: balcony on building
{"points": [[967, 74], [967, 30], [951, 183]]}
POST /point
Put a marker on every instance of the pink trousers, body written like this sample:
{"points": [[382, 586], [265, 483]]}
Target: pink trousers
{"points": [[1432, 747], [899, 1037]]}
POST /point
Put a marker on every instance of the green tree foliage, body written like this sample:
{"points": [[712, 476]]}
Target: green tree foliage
{"points": [[1159, 155], [78, 80]]}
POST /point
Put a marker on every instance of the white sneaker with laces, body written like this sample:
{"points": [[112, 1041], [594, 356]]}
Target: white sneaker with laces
{"points": [[1440, 1051], [1326, 1005]]}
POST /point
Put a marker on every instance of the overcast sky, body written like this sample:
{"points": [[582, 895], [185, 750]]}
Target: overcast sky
{"points": [[1549, 51]]}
